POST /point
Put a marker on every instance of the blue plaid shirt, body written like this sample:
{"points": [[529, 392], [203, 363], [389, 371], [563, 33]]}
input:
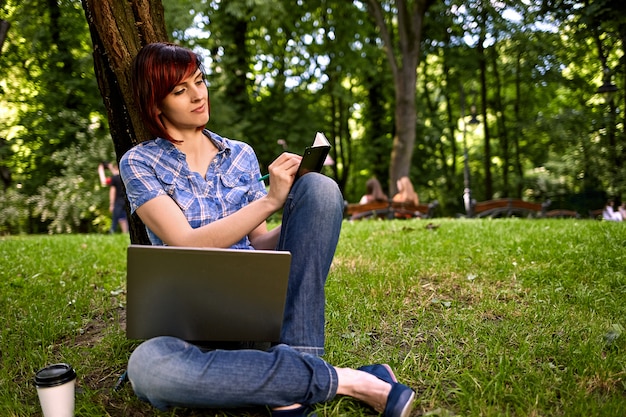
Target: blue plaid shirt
{"points": [[157, 167]]}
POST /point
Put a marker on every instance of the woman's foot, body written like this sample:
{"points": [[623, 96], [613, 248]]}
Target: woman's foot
{"points": [[398, 399], [399, 402], [380, 371]]}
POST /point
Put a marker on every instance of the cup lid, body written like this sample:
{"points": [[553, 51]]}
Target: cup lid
{"points": [[53, 375]]}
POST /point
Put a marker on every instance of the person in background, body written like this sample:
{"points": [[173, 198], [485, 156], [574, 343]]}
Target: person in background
{"points": [[193, 187], [406, 193], [622, 210], [117, 196], [609, 213], [374, 192]]}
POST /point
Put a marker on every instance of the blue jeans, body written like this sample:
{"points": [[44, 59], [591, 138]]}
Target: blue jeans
{"points": [[171, 372], [119, 213], [310, 230]]}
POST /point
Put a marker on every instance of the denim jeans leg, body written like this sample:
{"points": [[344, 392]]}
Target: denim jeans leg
{"points": [[169, 372], [310, 230]]}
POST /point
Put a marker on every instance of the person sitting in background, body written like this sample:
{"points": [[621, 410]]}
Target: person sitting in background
{"points": [[374, 192], [609, 212], [622, 210], [406, 193]]}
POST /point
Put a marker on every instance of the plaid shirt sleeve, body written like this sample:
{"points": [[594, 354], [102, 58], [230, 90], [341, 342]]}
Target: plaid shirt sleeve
{"points": [[137, 169]]}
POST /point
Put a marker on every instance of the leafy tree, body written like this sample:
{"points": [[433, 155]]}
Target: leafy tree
{"points": [[599, 27], [392, 83], [50, 103], [74, 201]]}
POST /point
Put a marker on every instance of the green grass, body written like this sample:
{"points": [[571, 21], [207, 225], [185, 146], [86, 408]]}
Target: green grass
{"points": [[505, 317]]}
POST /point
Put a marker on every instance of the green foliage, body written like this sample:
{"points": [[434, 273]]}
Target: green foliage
{"points": [[14, 212], [48, 60], [75, 201], [55, 128], [280, 70]]}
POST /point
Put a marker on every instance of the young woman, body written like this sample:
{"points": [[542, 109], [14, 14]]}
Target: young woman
{"points": [[374, 192], [406, 193], [610, 213], [191, 187]]}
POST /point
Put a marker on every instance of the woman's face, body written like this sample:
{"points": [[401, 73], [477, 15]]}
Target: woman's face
{"points": [[186, 107]]}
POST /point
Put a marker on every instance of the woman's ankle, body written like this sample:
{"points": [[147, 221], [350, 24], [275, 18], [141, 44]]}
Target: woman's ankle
{"points": [[364, 387]]}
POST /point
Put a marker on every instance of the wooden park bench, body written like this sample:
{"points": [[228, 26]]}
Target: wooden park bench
{"points": [[508, 207], [355, 211], [562, 214], [596, 214], [389, 210]]}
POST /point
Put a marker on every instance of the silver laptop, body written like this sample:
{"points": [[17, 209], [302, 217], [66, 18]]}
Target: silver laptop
{"points": [[205, 295]]}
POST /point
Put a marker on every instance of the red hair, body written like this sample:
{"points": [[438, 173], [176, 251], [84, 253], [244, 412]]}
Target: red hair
{"points": [[157, 69]]}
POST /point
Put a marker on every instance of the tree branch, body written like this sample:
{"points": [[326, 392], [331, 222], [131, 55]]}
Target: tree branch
{"points": [[377, 13]]}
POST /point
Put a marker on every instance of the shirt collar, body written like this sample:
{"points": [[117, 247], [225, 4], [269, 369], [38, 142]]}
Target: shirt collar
{"points": [[222, 144]]}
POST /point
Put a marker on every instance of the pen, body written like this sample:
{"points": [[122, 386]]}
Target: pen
{"points": [[120, 381], [264, 177]]}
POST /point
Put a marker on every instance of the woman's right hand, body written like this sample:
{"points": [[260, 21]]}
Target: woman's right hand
{"points": [[282, 175]]}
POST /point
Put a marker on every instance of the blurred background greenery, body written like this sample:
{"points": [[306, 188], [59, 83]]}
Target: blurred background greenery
{"points": [[532, 91]]}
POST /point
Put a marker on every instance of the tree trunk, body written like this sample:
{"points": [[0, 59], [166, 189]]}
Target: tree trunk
{"points": [[118, 30], [406, 121], [403, 59], [234, 33], [482, 61], [4, 28], [518, 127], [501, 123]]}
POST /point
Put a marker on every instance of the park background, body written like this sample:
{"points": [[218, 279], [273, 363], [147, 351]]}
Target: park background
{"points": [[530, 95]]}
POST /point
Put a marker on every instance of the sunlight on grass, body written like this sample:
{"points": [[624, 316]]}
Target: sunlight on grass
{"points": [[482, 317]]}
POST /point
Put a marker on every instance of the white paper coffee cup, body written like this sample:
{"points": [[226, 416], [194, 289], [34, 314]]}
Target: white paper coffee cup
{"points": [[55, 389]]}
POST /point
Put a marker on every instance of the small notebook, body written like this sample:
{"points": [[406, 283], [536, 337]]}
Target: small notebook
{"points": [[314, 156], [206, 295]]}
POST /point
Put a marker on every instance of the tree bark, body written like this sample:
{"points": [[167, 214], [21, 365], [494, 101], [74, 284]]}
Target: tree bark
{"points": [[403, 59], [501, 123], [482, 62], [518, 127], [4, 28], [119, 29]]}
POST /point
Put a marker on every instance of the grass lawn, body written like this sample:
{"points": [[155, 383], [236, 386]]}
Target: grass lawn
{"points": [[506, 317]]}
